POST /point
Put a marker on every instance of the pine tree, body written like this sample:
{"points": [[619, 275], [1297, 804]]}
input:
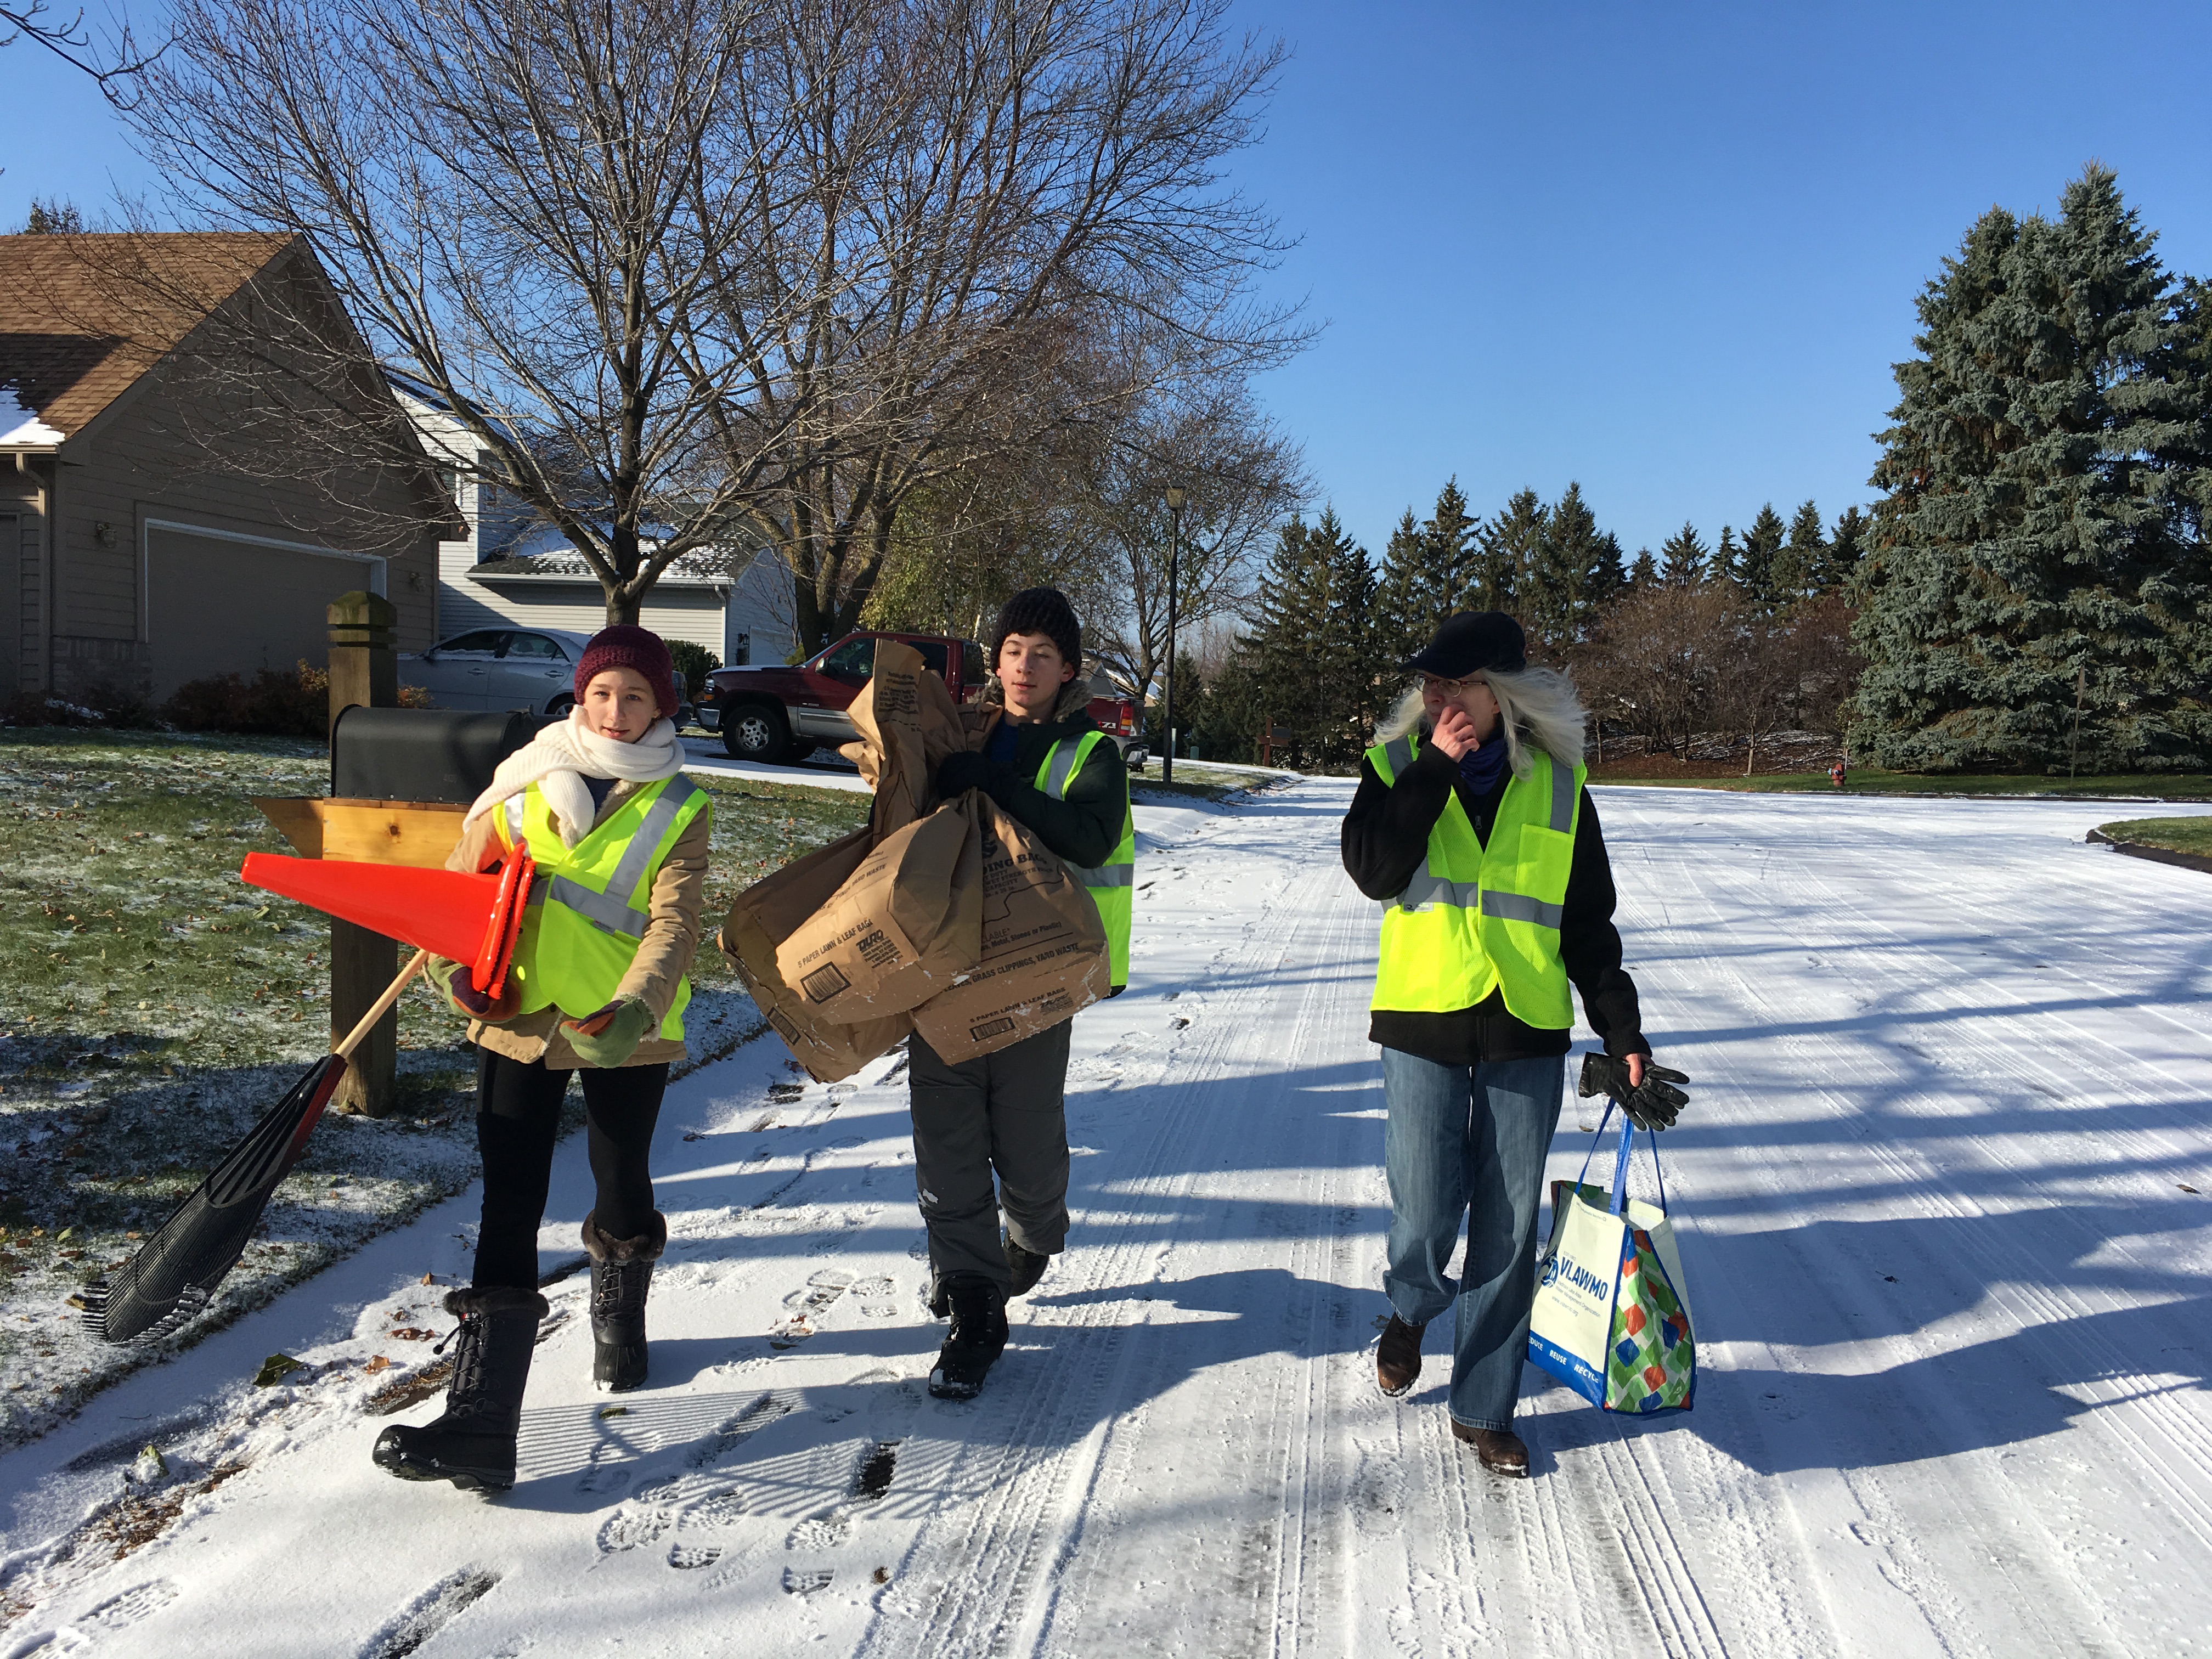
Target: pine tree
{"points": [[1312, 650], [1564, 554], [1846, 546], [1509, 547], [2045, 480], [1608, 580], [1683, 558], [1754, 572], [53, 216], [1644, 572], [1451, 561], [1798, 567], [1403, 618], [1727, 563]]}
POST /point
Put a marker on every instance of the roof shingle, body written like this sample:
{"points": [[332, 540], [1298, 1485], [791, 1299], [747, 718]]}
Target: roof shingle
{"points": [[83, 317]]}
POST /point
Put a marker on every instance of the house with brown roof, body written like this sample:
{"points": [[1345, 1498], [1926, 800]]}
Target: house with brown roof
{"points": [[194, 461]]}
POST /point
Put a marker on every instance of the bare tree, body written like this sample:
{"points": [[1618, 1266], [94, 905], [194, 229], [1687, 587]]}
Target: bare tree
{"points": [[1243, 479], [115, 62], [527, 206], [975, 199], [1654, 659]]}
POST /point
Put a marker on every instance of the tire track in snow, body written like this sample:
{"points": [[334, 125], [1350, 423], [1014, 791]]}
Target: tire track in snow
{"points": [[1922, 1525], [980, 1578]]}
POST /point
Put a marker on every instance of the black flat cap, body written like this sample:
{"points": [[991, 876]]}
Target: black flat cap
{"points": [[1471, 642]]}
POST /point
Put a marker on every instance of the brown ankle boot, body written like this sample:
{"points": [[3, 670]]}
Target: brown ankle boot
{"points": [[1502, 1451], [1398, 1356]]}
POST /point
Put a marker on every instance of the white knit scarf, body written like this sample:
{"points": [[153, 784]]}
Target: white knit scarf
{"points": [[559, 758]]}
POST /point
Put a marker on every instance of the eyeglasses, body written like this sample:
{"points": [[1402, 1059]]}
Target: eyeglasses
{"points": [[1448, 689]]}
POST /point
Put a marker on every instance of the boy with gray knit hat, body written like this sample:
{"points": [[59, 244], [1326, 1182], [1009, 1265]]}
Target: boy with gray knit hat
{"points": [[1003, 1114]]}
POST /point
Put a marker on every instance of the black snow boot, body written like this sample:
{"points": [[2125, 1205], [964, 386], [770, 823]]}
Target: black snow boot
{"points": [[978, 1336], [472, 1444], [1026, 1265], [622, 1272]]}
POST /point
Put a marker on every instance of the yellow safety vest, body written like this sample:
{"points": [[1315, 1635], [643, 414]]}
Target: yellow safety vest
{"points": [[590, 904], [1113, 885], [1476, 919]]}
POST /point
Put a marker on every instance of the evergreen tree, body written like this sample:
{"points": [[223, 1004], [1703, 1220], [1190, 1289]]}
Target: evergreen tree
{"points": [[1727, 563], [1510, 546], [1312, 650], [1645, 572], [1608, 580], [1683, 558], [1846, 546], [1402, 614], [2045, 480], [1762, 543], [1799, 566], [53, 216], [1564, 554], [1451, 559]]}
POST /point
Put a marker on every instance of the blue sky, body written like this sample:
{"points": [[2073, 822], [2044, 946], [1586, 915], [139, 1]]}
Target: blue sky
{"points": [[1670, 252]]}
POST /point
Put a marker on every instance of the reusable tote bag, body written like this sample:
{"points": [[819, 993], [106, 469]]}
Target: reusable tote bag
{"points": [[1611, 1320]]}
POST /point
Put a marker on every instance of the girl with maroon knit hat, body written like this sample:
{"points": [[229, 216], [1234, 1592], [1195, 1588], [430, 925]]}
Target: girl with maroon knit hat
{"points": [[620, 839]]}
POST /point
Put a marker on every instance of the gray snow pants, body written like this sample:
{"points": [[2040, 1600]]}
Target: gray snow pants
{"points": [[1003, 1114]]}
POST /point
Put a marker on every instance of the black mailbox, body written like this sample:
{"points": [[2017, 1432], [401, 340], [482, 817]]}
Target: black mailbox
{"points": [[422, 754]]}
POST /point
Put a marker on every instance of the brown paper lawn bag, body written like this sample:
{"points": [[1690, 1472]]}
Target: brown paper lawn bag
{"points": [[771, 911], [908, 920], [1044, 949]]}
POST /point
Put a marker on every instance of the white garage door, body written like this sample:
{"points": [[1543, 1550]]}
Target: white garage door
{"points": [[218, 607]]}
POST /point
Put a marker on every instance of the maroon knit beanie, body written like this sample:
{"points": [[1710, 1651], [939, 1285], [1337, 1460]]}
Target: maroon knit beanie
{"points": [[638, 649]]}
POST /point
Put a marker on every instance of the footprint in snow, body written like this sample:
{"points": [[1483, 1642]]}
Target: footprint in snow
{"points": [[132, 1604]]}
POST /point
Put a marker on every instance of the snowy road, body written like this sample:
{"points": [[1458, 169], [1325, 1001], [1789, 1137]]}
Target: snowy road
{"points": [[1950, 1080]]}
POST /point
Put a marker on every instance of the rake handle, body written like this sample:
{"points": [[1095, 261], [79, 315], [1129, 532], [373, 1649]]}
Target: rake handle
{"points": [[377, 1009]]}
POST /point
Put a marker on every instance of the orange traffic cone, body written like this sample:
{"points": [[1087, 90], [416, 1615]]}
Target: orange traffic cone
{"points": [[470, 919]]}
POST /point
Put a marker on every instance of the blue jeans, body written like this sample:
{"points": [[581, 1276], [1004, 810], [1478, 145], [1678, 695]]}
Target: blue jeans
{"points": [[1469, 1142]]}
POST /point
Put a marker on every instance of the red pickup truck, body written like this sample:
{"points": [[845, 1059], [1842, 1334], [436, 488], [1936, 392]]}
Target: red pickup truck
{"points": [[778, 713]]}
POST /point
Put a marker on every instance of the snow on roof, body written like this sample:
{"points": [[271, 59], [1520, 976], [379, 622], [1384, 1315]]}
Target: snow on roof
{"points": [[545, 554], [82, 317], [20, 428]]}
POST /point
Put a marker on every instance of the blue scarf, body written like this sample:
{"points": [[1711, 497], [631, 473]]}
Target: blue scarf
{"points": [[1481, 768]]}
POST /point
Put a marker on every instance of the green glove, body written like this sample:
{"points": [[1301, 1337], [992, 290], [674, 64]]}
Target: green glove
{"points": [[453, 978], [609, 1037]]}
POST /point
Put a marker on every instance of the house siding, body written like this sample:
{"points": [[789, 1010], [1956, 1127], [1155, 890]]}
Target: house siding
{"points": [[144, 460]]}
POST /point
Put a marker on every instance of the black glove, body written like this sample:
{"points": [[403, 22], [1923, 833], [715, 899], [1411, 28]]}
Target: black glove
{"points": [[962, 770], [1653, 1104]]}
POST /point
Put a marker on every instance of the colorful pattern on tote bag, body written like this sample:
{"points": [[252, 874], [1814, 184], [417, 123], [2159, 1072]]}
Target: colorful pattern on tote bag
{"points": [[1625, 1346], [1652, 1366]]}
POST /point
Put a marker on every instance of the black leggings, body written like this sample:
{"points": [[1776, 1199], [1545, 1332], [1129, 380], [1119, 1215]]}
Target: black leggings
{"points": [[517, 1116]]}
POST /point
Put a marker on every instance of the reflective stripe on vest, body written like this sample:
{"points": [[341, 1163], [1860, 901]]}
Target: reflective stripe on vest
{"points": [[1475, 918], [1112, 885], [583, 930]]}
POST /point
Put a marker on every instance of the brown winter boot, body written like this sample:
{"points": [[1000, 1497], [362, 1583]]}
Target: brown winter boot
{"points": [[1501, 1450], [621, 1272], [1398, 1356]]}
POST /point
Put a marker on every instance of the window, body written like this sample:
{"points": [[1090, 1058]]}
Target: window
{"points": [[535, 645], [485, 641], [854, 657], [933, 654]]}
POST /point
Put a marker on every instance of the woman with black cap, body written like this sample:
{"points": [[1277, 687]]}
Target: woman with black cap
{"points": [[1482, 842]]}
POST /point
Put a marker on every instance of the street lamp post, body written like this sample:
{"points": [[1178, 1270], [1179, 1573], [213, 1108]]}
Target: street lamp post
{"points": [[1175, 498]]}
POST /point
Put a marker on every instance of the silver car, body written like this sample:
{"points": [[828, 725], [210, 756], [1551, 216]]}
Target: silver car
{"points": [[492, 668]]}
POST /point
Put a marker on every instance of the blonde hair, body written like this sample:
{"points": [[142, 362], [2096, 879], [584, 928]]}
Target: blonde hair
{"points": [[1535, 706]]}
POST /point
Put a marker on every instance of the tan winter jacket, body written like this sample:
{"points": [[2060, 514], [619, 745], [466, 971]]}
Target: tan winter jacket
{"points": [[664, 954]]}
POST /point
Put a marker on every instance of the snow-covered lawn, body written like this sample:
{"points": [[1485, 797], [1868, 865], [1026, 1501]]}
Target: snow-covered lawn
{"points": [[1950, 1073]]}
